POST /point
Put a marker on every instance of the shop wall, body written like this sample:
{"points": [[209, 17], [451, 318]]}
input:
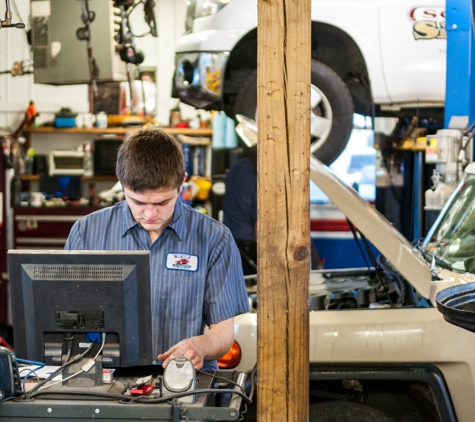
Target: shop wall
{"points": [[16, 92]]}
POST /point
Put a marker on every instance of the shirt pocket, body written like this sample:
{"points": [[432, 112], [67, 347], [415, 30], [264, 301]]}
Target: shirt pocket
{"points": [[183, 297]]}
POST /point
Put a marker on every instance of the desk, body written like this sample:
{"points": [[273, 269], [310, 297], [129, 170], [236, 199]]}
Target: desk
{"points": [[66, 405]]}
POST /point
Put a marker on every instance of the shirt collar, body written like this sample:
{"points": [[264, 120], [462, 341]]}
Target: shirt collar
{"points": [[177, 224], [127, 220]]}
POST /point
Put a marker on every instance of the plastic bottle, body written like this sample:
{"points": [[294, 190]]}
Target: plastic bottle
{"points": [[175, 115], [219, 129], [231, 137], [87, 162], [30, 155], [101, 120]]}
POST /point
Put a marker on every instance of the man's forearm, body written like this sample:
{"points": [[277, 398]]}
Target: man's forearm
{"points": [[217, 340], [212, 345]]}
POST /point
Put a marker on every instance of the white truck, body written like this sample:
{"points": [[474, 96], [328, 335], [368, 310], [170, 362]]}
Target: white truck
{"points": [[371, 57]]}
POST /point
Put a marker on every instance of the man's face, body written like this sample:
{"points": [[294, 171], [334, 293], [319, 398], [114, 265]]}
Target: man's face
{"points": [[153, 209]]}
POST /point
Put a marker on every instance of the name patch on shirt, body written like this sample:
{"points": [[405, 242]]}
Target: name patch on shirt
{"points": [[182, 261]]}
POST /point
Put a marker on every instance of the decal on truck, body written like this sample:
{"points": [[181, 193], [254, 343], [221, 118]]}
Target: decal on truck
{"points": [[429, 23]]}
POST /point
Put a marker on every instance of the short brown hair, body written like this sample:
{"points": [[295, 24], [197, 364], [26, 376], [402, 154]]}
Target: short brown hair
{"points": [[150, 159]]}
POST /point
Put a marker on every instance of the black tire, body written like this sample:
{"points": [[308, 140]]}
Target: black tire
{"points": [[337, 105], [345, 411]]}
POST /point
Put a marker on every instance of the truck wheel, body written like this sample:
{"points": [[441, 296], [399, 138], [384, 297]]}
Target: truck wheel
{"points": [[345, 411], [332, 110]]}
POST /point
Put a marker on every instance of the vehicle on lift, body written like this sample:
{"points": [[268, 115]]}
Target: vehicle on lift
{"points": [[380, 350], [374, 58]]}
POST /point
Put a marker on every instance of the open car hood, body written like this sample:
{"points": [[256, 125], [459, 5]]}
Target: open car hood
{"points": [[392, 244]]}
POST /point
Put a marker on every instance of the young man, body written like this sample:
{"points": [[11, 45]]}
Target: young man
{"points": [[210, 289]]}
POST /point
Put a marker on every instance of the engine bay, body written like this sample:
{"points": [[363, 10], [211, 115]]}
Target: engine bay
{"points": [[380, 287]]}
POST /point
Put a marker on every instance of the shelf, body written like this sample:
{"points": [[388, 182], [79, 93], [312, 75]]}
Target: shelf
{"points": [[36, 177], [117, 130]]}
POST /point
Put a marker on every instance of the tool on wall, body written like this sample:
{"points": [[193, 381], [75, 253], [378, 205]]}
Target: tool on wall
{"points": [[7, 23], [126, 38], [84, 34], [19, 68]]}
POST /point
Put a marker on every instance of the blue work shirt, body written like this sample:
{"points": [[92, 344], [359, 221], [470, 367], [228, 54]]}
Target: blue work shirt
{"points": [[240, 200], [184, 300]]}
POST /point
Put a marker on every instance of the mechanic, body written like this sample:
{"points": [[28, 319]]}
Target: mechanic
{"points": [[240, 207], [240, 211], [195, 268]]}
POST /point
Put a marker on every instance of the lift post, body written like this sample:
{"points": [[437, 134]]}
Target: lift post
{"points": [[460, 79]]}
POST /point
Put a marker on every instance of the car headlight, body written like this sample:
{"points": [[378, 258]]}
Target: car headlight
{"points": [[200, 8]]}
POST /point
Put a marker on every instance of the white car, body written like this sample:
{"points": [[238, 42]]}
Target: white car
{"points": [[372, 57]]}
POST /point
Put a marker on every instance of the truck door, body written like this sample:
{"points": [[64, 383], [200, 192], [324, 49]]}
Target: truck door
{"points": [[413, 50]]}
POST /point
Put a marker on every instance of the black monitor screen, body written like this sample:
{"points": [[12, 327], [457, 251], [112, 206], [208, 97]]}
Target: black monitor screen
{"points": [[64, 300]]}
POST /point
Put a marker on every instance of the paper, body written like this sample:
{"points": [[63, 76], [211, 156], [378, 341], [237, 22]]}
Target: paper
{"points": [[41, 373]]}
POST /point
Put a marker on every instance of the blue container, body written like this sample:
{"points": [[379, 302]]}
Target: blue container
{"points": [[64, 122]]}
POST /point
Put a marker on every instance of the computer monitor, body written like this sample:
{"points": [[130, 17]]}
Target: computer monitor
{"points": [[63, 299]]}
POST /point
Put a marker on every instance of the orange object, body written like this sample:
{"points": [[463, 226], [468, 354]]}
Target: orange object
{"points": [[30, 114], [232, 358]]}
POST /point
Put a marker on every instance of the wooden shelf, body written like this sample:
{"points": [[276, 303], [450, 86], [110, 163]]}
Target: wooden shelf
{"points": [[36, 177], [118, 130]]}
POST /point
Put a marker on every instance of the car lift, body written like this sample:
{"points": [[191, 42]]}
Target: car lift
{"points": [[460, 76]]}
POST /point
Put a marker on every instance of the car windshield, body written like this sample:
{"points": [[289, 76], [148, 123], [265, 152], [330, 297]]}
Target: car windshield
{"points": [[451, 241]]}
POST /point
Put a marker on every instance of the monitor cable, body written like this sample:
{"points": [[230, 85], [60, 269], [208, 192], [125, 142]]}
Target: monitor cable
{"points": [[76, 358], [84, 368]]}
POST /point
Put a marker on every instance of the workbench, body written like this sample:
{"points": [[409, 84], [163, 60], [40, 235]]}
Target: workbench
{"points": [[61, 403]]}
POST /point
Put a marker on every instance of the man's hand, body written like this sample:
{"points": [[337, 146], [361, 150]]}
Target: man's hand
{"points": [[212, 345], [189, 348]]}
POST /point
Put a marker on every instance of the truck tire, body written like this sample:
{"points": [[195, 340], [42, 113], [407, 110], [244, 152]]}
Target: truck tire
{"points": [[332, 110], [345, 411]]}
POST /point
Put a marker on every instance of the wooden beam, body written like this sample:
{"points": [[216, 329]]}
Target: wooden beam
{"points": [[283, 81]]}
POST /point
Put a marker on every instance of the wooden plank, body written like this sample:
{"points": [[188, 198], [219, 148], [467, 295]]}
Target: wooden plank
{"points": [[118, 130], [283, 209]]}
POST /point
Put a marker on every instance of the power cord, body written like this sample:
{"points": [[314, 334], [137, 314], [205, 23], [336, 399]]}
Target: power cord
{"points": [[212, 375], [76, 358], [29, 362], [84, 368], [124, 399]]}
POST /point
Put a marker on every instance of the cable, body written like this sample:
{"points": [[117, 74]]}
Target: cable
{"points": [[62, 380], [102, 346], [69, 345], [33, 371], [472, 126], [253, 381], [76, 358], [149, 16], [353, 231], [85, 368], [219, 377], [124, 399], [29, 362]]}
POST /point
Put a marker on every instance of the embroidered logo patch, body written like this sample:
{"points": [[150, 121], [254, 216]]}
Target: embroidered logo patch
{"points": [[181, 261]]}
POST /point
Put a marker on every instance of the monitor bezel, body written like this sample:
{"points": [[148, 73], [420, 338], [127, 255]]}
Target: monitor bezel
{"points": [[135, 348]]}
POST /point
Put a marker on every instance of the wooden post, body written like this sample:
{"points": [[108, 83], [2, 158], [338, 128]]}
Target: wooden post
{"points": [[283, 94]]}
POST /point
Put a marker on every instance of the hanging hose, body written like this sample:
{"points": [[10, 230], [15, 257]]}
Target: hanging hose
{"points": [[84, 34]]}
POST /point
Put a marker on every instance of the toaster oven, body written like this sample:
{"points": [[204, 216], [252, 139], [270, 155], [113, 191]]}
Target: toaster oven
{"points": [[66, 162]]}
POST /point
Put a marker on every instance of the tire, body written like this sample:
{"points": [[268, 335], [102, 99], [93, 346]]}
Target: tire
{"points": [[345, 411], [332, 110]]}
